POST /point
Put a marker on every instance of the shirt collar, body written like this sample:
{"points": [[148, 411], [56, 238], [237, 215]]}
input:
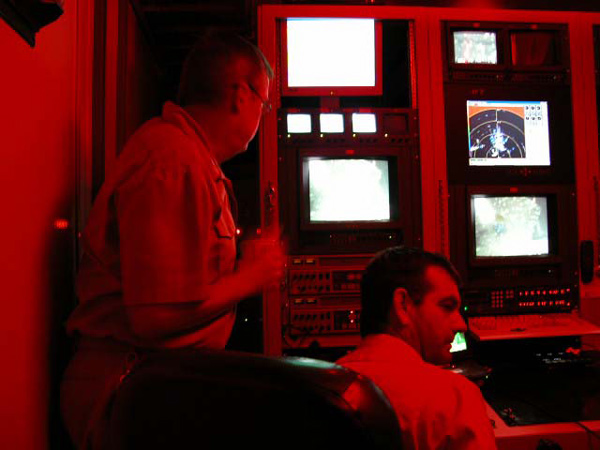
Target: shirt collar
{"points": [[179, 116], [382, 346]]}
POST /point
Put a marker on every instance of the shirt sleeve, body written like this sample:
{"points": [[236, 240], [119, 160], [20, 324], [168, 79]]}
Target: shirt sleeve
{"points": [[165, 222], [472, 428]]}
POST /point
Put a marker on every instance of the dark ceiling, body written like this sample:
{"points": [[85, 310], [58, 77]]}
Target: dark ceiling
{"points": [[171, 26]]}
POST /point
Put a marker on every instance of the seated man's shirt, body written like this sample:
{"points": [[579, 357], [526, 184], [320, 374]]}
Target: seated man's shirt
{"points": [[436, 409]]}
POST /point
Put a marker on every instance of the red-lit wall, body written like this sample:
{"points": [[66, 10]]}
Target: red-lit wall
{"points": [[37, 187]]}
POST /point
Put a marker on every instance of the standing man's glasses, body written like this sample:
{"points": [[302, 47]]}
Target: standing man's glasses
{"points": [[266, 104]]}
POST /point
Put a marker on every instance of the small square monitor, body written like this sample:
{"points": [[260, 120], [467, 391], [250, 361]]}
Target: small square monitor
{"points": [[364, 123], [475, 47], [299, 123], [348, 190], [510, 225], [530, 48], [508, 133], [331, 123]]}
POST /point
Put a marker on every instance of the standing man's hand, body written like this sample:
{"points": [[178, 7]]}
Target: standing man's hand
{"points": [[262, 263]]}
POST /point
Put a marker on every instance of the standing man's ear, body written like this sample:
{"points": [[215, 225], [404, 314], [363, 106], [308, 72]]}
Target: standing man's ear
{"points": [[401, 304], [238, 97]]}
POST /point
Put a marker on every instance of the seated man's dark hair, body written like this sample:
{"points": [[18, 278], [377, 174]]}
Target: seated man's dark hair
{"points": [[211, 66], [390, 269]]}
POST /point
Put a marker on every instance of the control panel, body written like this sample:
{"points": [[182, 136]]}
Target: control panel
{"points": [[322, 301], [525, 299]]}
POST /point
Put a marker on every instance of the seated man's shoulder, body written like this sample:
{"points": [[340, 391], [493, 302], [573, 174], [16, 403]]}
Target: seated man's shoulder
{"points": [[412, 381], [455, 387]]}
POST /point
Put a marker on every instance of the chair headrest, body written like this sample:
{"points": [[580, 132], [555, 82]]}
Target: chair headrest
{"points": [[225, 399]]}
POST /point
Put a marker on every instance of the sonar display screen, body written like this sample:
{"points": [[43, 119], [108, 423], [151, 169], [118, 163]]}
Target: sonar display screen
{"points": [[508, 133], [348, 190], [510, 225]]}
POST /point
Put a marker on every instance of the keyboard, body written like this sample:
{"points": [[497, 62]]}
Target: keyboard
{"points": [[487, 328]]}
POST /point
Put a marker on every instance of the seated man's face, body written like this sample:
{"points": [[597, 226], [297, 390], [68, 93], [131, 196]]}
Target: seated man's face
{"points": [[437, 318]]}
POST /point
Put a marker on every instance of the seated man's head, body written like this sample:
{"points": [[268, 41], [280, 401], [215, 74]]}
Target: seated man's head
{"points": [[413, 294]]}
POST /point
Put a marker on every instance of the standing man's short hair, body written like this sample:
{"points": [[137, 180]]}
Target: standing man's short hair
{"points": [[390, 269], [211, 66]]}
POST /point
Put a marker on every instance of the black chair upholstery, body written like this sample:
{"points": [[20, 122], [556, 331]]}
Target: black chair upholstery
{"points": [[222, 400]]}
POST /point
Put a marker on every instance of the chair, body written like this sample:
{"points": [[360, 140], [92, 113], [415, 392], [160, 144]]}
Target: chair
{"points": [[228, 400]]}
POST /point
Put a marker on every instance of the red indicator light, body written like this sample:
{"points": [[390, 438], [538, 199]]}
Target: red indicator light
{"points": [[350, 152], [61, 224]]}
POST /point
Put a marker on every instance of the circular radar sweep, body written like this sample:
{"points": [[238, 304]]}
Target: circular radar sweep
{"points": [[496, 133]]}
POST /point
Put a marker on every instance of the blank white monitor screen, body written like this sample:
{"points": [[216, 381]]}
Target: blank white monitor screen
{"points": [[331, 123], [331, 52], [348, 190], [364, 123], [299, 123], [510, 226]]}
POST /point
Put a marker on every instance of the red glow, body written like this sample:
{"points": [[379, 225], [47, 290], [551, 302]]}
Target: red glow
{"points": [[61, 224]]}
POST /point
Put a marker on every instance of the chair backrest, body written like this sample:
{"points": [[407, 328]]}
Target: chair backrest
{"points": [[222, 400]]}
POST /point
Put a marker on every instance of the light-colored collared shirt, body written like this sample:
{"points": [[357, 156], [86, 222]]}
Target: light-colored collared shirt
{"points": [[160, 232], [436, 409]]}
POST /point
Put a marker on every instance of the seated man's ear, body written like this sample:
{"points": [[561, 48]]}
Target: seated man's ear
{"points": [[401, 306]]}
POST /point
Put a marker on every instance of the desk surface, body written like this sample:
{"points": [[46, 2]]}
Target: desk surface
{"points": [[569, 435], [559, 405]]}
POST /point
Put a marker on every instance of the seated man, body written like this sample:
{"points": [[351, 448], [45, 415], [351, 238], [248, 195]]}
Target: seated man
{"points": [[410, 314]]}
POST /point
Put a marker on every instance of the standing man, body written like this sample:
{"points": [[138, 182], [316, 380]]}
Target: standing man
{"points": [[410, 314], [159, 267]]}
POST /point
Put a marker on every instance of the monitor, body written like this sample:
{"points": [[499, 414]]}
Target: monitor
{"points": [[534, 48], [459, 344], [348, 189], [475, 47], [331, 122], [517, 225], [298, 123], [508, 133], [364, 123], [510, 226], [508, 240], [501, 134], [331, 57]]}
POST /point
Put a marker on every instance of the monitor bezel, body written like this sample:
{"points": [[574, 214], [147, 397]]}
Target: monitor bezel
{"points": [[560, 130], [554, 203], [344, 153], [331, 91], [449, 54]]}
